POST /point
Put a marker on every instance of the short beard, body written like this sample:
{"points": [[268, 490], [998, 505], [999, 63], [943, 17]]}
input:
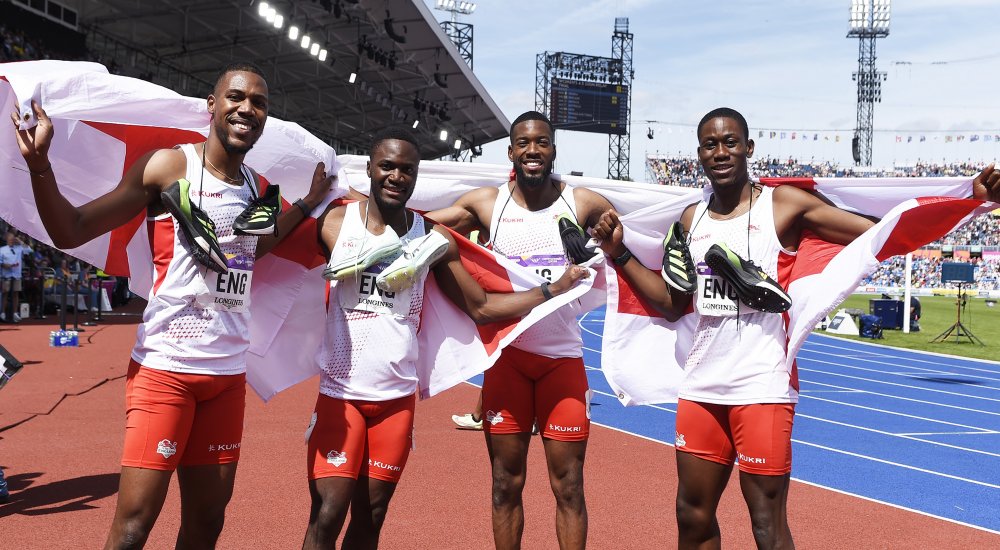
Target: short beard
{"points": [[531, 181], [234, 150]]}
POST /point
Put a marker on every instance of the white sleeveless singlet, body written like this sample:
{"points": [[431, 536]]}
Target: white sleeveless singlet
{"points": [[737, 359], [196, 321], [369, 349], [532, 240]]}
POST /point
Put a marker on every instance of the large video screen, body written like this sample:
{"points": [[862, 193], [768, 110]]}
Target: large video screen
{"points": [[589, 106]]}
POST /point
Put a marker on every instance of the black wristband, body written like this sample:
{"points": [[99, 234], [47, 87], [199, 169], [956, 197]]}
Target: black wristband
{"points": [[545, 291], [40, 172], [624, 258], [303, 207]]}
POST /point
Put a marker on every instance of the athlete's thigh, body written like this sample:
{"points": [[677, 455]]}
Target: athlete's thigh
{"points": [[141, 492], [390, 438], [159, 411], [703, 431], [508, 397], [336, 439], [206, 488], [217, 430], [762, 435], [562, 400]]}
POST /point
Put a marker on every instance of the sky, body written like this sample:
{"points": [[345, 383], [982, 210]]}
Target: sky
{"points": [[785, 64]]}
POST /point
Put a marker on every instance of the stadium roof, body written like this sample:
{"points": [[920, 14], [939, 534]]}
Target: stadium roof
{"points": [[407, 68]]}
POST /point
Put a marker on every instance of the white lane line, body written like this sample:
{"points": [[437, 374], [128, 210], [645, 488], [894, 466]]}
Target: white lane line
{"points": [[990, 432], [914, 510], [801, 392], [890, 434], [989, 366], [881, 371], [892, 396], [885, 411], [896, 384], [900, 465], [910, 369]]}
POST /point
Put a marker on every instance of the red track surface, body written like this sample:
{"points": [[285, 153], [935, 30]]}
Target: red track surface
{"points": [[62, 467]]}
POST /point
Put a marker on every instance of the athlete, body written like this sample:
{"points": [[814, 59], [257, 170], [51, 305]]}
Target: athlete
{"points": [[737, 399], [541, 375], [380, 254], [185, 385]]}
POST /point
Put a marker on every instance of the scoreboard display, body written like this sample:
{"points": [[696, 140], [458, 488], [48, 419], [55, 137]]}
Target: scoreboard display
{"points": [[589, 106]]}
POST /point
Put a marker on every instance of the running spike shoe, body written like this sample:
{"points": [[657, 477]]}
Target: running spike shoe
{"points": [[678, 269], [574, 240], [753, 286], [370, 251], [467, 422], [197, 227], [418, 255], [261, 216]]}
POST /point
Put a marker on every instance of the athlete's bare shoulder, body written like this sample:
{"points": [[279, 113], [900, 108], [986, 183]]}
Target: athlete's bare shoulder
{"points": [[328, 225], [162, 167], [589, 205], [479, 197]]}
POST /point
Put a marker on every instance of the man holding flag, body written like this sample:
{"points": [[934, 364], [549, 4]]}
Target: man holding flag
{"points": [[185, 389], [380, 255], [541, 374], [730, 256]]}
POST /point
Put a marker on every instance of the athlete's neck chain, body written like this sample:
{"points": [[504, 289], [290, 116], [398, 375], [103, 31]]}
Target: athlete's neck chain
{"points": [[225, 177]]}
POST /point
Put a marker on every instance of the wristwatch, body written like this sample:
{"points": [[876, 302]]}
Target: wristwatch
{"points": [[624, 258]]}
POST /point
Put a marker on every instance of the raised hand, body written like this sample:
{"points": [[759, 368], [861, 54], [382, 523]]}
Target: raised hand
{"points": [[320, 185], [34, 142], [569, 279], [986, 186], [609, 231]]}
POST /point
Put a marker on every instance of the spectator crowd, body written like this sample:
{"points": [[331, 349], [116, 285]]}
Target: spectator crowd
{"points": [[687, 172]]}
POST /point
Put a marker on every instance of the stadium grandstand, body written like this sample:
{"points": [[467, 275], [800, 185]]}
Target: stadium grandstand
{"points": [[343, 70], [369, 65], [365, 67]]}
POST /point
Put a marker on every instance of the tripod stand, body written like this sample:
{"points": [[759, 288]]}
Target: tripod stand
{"points": [[958, 329]]}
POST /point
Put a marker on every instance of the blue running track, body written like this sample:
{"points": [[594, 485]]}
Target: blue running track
{"points": [[914, 430]]}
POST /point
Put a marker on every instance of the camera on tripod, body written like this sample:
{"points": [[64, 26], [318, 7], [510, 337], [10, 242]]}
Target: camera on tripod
{"points": [[963, 274]]}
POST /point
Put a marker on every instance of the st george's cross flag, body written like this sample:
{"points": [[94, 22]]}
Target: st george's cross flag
{"points": [[913, 212], [105, 122]]}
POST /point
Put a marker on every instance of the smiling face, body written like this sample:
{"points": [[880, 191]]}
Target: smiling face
{"points": [[239, 110], [532, 152], [723, 151], [393, 172]]}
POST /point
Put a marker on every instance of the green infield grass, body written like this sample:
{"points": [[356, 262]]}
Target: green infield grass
{"points": [[938, 313]]}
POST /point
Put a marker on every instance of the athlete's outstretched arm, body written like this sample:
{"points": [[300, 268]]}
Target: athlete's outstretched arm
{"points": [[796, 210], [469, 213], [645, 282], [291, 217], [488, 307], [590, 206], [70, 226]]}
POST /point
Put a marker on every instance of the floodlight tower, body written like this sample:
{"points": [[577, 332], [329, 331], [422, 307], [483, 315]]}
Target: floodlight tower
{"points": [[869, 20], [459, 33], [619, 145]]}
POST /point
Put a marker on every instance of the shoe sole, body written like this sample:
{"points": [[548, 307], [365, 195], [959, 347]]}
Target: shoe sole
{"points": [[343, 271], [759, 294], [404, 277], [204, 248], [246, 228], [687, 288], [257, 232]]}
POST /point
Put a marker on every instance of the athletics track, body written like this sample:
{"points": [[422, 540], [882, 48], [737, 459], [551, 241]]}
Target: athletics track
{"points": [[891, 450]]}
